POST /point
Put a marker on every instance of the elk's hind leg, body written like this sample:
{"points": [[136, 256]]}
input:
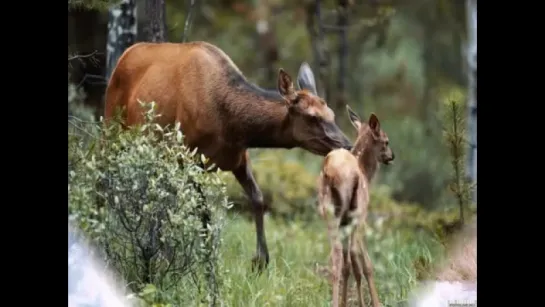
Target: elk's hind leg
{"points": [[357, 267], [326, 209]]}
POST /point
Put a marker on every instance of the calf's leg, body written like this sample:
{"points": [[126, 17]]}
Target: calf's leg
{"points": [[345, 273], [357, 268], [336, 268], [369, 274]]}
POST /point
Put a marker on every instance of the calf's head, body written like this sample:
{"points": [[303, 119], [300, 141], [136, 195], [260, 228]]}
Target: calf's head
{"points": [[372, 137], [311, 122]]}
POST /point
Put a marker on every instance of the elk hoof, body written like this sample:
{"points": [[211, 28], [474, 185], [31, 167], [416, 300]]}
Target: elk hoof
{"points": [[259, 263]]}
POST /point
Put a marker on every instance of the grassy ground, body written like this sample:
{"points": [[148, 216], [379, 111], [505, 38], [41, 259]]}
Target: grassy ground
{"points": [[297, 274]]}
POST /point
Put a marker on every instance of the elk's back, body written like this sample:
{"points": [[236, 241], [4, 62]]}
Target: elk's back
{"points": [[185, 80]]}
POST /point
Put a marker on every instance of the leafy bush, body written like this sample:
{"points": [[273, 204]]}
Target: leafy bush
{"points": [[140, 194]]}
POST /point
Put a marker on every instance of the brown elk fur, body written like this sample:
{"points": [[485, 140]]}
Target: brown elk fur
{"points": [[220, 112], [343, 187]]}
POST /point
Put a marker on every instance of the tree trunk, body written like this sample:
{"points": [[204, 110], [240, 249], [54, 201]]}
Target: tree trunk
{"points": [[472, 91], [156, 26], [323, 61], [121, 32], [342, 23], [266, 41]]}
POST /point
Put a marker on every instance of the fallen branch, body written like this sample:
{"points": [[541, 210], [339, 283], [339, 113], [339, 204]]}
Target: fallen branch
{"points": [[80, 56]]}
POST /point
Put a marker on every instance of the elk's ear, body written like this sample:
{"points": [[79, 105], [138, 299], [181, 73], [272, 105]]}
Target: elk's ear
{"points": [[285, 85], [305, 79], [354, 118], [374, 124]]}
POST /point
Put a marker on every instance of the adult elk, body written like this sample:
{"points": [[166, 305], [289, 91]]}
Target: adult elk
{"points": [[221, 112]]}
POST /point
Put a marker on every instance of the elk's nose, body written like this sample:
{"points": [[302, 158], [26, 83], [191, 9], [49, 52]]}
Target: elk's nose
{"points": [[393, 155]]}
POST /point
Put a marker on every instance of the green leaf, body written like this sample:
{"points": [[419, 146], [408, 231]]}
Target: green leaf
{"points": [[148, 290], [178, 136], [204, 159]]}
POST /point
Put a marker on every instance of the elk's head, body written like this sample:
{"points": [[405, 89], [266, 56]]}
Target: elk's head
{"points": [[372, 137], [311, 121]]}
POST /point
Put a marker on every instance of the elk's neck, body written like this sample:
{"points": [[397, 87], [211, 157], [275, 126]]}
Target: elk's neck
{"points": [[366, 158], [261, 118]]}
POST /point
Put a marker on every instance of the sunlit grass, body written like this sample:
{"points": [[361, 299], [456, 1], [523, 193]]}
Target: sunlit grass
{"points": [[299, 257]]}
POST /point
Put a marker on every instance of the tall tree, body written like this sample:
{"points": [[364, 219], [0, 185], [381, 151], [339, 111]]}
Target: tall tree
{"points": [[472, 90], [156, 21], [321, 54], [266, 40], [342, 23], [121, 32]]}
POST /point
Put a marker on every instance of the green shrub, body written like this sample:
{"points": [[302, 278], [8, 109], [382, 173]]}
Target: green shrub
{"points": [[454, 134], [289, 188], [139, 195]]}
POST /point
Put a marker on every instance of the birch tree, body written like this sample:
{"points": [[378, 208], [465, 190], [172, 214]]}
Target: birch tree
{"points": [[121, 32], [472, 91]]}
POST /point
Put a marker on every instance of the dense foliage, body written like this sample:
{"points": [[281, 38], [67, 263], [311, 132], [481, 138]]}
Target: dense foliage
{"points": [[140, 195]]}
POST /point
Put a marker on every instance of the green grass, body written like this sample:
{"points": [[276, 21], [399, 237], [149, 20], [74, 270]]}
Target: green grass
{"points": [[299, 256]]}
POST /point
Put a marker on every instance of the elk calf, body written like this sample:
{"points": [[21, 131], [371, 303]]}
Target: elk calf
{"points": [[343, 198]]}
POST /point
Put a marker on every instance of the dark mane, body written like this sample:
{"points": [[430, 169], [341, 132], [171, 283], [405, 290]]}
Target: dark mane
{"points": [[238, 81]]}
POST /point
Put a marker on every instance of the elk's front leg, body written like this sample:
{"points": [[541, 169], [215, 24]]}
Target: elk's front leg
{"points": [[244, 176]]}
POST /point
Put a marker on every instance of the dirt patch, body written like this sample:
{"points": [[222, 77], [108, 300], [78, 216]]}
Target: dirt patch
{"points": [[461, 261], [455, 279]]}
